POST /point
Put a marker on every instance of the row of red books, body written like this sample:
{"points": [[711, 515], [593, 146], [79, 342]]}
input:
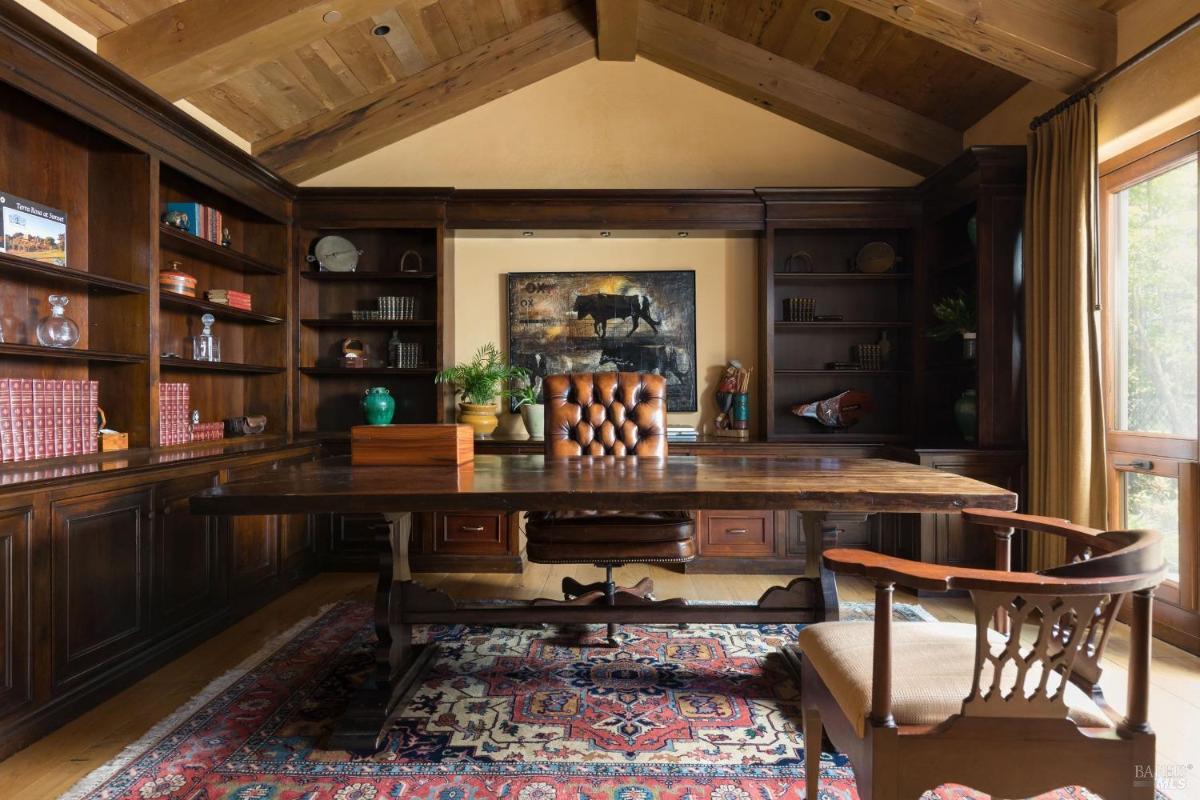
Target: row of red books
{"points": [[229, 297], [208, 431], [47, 418], [174, 413]]}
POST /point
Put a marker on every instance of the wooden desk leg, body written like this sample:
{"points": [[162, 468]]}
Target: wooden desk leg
{"points": [[814, 594], [399, 664]]}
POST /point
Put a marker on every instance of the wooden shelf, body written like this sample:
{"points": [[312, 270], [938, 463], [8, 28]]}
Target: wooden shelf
{"points": [[350, 372], [367, 275], [848, 324], [368, 323], [68, 353], [842, 437], [37, 269], [218, 366], [843, 372], [843, 276], [178, 241], [216, 309]]}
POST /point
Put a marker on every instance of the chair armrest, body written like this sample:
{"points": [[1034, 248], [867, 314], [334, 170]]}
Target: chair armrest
{"points": [[942, 578], [1079, 534]]}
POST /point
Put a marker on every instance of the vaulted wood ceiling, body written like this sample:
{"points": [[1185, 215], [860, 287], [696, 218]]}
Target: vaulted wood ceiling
{"points": [[311, 89]]}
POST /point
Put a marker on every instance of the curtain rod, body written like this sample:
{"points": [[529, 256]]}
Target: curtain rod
{"points": [[1098, 83]]}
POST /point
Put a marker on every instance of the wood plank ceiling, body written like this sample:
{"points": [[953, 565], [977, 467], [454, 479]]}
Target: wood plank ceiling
{"points": [[315, 83]]}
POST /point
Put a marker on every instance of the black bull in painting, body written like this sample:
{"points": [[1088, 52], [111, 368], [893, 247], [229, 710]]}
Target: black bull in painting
{"points": [[604, 307]]}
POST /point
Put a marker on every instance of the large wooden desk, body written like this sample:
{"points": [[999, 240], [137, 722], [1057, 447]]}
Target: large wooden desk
{"points": [[811, 485]]}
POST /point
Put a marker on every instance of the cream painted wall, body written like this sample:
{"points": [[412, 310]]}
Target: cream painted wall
{"points": [[1150, 99], [726, 293], [605, 124]]}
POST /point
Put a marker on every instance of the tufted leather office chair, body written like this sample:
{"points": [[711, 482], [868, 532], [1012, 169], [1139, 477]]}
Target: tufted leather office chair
{"points": [[614, 414]]}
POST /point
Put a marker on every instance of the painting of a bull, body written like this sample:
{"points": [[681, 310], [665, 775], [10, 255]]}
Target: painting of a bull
{"points": [[565, 325], [604, 307]]}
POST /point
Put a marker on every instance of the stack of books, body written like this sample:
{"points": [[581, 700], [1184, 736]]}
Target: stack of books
{"points": [[208, 431], [229, 297], [174, 424], [47, 418], [202, 221]]}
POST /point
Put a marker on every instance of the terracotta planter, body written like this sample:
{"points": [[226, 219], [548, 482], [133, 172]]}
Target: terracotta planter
{"points": [[480, 416]]}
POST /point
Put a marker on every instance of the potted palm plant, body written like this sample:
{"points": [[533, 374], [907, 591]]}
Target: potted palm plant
{"points": [[479, 381], [533, 412]]}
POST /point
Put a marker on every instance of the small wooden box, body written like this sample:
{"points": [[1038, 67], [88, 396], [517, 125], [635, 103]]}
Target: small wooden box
{"points": [[110, 442], [412, 445]]}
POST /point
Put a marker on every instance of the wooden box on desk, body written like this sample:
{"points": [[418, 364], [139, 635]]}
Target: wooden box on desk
{"points": [[412, 445]]}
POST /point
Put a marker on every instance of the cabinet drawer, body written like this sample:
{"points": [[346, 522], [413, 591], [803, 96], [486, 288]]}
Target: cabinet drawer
{"points": [[740, 533], [470, 534]]}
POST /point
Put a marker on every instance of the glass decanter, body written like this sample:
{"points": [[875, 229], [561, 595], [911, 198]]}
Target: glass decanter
{"points": [[205, 346], [57, 330]]}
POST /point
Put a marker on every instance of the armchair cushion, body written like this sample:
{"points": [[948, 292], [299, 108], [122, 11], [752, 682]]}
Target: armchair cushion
{"points": [[932, 671]]}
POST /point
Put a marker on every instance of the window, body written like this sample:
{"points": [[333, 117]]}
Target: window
{"points": [[1151, 336]]}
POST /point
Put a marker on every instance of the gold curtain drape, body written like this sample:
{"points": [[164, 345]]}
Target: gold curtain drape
{"points": [[1066, 408]]}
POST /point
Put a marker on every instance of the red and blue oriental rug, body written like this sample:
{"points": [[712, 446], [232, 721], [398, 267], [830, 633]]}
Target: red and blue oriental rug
{"points": [[704, 713]]}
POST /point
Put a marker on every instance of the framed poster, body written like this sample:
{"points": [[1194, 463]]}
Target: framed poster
{"points": [[607, 322]]}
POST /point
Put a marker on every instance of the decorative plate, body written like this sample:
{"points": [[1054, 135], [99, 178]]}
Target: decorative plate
{"points": [[335, 254], [875, 257]]}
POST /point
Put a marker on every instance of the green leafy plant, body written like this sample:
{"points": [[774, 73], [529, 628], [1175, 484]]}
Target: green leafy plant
{"points": [[955, 315], [525, 396], [479, 379]]}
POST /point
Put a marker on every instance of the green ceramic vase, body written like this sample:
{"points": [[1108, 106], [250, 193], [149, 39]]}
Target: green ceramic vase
{"points": [[966, 414], [378, 406]]}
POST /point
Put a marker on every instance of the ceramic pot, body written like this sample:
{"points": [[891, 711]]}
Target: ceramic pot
{"points": [[966, 414], [970, 346], [480, 416], [534, 417], [973, 230], [378, 406]]}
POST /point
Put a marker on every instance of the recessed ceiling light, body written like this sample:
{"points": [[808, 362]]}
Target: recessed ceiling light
{"points": [[381, 30], [332, 17], [904, 11], [527, 234], [682, 234], [822, 14], [605, 234]]}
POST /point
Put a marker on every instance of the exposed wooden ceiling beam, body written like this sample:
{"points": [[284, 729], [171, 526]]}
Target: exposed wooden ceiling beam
{"points": [[817, 101], [1060, 44], [451, 88], [616, 29], [197, 44]]}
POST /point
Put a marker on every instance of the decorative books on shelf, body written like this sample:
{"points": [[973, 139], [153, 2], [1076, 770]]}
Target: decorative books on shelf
{"points": [[198, 220], [229, 297], [47, 418], [174, 416], [208, 431]]}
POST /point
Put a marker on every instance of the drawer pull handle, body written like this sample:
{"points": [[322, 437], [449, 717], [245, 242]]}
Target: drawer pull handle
{"points": [[471, 528], [737, 530]]}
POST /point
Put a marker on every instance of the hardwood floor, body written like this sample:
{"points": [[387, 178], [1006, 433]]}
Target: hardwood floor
{"points": [[55, 763]]}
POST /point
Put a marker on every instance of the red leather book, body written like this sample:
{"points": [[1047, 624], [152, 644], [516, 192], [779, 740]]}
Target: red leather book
{"points": [[92, 442], [7, 451], [38, 410]]}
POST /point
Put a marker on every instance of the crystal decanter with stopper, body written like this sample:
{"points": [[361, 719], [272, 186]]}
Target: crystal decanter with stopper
{"points": [[57, 330], [205, 346]]}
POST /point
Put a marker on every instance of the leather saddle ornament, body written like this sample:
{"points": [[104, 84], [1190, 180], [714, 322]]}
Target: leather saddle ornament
{"points": [[245, 426]]}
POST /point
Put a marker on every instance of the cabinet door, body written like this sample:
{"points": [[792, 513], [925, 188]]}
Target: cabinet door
{"points": [[186, 579], [16, 625], [254, 548], [297, 543], [352, 541], [945, 539], [100, 567]]}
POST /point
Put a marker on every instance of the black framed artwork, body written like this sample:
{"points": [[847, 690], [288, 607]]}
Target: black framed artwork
{"points": [[626, 321]]}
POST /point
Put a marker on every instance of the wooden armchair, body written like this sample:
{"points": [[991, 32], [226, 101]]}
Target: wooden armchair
{"points": [[916, 705]]}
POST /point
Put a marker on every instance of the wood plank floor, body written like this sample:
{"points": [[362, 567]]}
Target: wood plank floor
{"points": [[52, 765]]}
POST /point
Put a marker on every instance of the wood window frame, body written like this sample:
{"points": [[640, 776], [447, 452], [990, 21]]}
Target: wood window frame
{"points": [[1133, 451]]}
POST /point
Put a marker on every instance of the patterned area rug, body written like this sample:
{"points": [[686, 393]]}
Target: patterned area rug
{"points": [[704, 713]]}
